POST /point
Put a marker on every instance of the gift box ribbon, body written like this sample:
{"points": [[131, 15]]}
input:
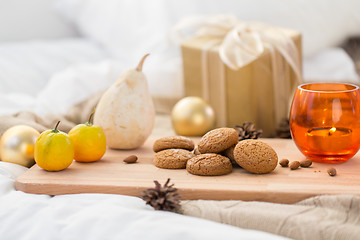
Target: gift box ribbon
{"points": [[240, 44]]}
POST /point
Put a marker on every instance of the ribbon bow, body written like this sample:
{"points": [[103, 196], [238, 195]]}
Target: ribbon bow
{"points": [[242, 42]]}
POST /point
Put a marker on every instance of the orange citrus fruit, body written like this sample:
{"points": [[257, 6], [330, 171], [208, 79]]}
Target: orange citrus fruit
{"points": [[54, 150], [89, 141]]}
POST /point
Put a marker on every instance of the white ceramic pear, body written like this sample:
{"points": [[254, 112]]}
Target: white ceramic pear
{"points": [[126, 112]]}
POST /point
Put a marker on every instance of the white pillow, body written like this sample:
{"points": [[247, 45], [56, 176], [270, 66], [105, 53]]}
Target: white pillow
{"points": [[129, 28], [331, 65], [30, 19], [26, 67]]}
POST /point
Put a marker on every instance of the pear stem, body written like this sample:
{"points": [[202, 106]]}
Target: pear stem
{"points": [[91, 115], [55, 130], [139, 67]]}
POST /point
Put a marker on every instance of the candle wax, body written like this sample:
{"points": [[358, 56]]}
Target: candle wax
{"points": [[331, 140]]}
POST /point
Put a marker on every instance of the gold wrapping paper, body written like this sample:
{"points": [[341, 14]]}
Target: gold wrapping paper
{"points": [[249, 91]]}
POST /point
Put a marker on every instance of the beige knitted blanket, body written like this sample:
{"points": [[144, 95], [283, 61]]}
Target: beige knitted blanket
{"points": [[322, 217]]}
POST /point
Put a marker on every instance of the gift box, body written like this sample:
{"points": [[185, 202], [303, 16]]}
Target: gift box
{"points": [[246, 73]]}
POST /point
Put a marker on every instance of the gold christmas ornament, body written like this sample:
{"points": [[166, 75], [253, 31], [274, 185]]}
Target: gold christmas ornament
{"points": [[192, 116], [17, 145]]}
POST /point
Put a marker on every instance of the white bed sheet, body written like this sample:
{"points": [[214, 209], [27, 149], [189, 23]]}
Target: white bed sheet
{"points": [[98, 216]]}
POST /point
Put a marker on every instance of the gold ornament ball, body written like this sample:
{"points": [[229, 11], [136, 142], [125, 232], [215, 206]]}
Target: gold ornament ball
{"points": [[192, 116], [17, 145]]}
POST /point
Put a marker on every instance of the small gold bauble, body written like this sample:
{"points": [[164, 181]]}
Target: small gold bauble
{"points": [[17, 145], [192, 116]]}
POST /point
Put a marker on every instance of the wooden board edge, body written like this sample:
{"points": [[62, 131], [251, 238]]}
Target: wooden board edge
{"points": [[186, 194]]}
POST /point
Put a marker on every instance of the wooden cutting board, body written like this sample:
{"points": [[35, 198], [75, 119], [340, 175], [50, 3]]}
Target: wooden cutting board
{"points": [[111, 175]]}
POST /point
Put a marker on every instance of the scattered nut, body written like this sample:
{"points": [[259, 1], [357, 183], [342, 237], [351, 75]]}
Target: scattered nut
{"points": [[331, 171], [294, 165], [305, 163], [284, 162], [131, 159]]}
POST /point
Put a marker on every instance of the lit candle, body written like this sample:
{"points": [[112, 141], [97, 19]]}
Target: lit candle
{"points": [[330, 140], [332, 130]]}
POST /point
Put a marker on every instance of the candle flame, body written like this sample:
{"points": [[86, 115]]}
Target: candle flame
{"points": [[332, 130]]}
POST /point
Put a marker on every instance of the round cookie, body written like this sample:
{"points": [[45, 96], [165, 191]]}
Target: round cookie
{"points": [[218, 140], [209, 164], [255, 156], [172, 158], [229, 153], [173, 142]]}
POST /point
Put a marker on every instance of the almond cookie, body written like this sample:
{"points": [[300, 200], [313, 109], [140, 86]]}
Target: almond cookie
{"points": [[209, 164], [229, 153], [196, 151], [173, 142], [172, 158], [218, 140], [255, 156]]}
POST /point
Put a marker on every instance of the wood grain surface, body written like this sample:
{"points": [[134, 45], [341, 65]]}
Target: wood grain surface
{"points": [[112, 175]]}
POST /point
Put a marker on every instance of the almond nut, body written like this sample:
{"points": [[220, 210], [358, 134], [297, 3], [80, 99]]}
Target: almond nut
{"points": [[284, 162], [294, 165], [331, 172], [131, 159], [306, 163]]}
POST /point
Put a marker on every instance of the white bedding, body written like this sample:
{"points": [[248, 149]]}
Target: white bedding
{"points": [[98, 216], [131, 28], [48, 76], [26, 67], [333, 65]]}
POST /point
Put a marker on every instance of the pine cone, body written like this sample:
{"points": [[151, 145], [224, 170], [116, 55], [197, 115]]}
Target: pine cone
{"points": [[283, 131], [162, 197], [248, 131]]}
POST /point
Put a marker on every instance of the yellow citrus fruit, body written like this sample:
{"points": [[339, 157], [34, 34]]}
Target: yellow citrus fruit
{"points": [[54, 150], [89, 142]]}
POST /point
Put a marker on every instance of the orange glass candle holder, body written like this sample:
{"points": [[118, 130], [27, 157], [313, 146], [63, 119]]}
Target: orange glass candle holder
{"points": [[325, 121]]}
